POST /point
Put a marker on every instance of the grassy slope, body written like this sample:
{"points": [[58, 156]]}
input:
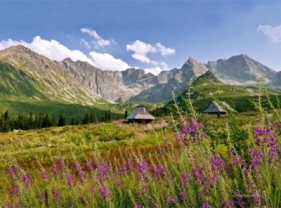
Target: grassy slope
{"points": [[208, 88], [19, 94]]}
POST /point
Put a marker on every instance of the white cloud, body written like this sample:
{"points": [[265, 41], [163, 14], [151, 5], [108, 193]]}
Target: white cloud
{"points": [[164, 50], [154, 70], [99, 41], [85, 44], [164, 66], [142, 49], [55, 51], [51, 49], [272, 33], [106, 61]]}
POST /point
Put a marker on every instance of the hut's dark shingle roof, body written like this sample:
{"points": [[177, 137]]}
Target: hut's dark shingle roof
{"points": [[140, 112], [215, 107]]}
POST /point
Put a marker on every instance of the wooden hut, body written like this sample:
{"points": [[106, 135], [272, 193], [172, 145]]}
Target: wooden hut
{"points": [[140, 115], [218, 108]]}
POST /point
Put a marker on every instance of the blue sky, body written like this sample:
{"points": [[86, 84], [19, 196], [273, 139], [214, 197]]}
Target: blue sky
{"points": [[153, 35]]}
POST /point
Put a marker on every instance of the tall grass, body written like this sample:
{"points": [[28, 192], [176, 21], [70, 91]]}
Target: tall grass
{"points": [[192, 169]]}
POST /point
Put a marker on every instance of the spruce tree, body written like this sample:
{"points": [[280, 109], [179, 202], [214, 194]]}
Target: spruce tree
{"points": [[62, 120]]}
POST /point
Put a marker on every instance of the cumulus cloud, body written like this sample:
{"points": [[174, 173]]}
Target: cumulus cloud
{"points": [[153, 70], [141, 49], [51, 49], [56, 51], [164, 50], [85, 44], [108, 62], [272, 33], [98, 40]]}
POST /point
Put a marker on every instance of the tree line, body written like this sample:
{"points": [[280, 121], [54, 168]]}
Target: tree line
{"points": [[44, 120]]}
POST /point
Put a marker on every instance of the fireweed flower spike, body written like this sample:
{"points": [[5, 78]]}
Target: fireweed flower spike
{"points": [[104, 192], [12, 170], [191, 130], [44, 175], [26, 179], [56, 195], [172, 200], [142, 166], [266, 139]]}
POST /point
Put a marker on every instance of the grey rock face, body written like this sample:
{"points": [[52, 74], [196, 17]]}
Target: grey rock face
{"points": [[176, 81], [81, 82], [240, 70], [276, 81]]}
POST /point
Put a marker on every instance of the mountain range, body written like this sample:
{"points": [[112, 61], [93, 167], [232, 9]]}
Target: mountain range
{"points": [[25, 74]]}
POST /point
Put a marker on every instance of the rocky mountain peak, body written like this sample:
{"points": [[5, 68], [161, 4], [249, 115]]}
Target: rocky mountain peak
{"points": [[197, 67], [17, 50], [240, 69], [67, 79]]}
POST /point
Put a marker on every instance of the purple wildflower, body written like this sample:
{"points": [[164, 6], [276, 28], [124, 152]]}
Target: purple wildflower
{"points": [[76, 166], [182, 196], [257, 156], [142, 166], [198, 173], [184, 178], [102, 169], [44, 175], [61, 163], [257, 199], [26, 179], [12, 170], [56, 195], [126, 166], [55, 170], [70, 181], [237, 160], [159, 170], [81, 174], [229, 204], [104, 192], [13, 190], [89, 165], [266, 138], [191, 130], [137, 206], [172, 200], [40, 196], [9, 205], [206, 205], [217, 163]]}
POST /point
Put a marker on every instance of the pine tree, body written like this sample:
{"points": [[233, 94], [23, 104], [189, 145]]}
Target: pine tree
{"points": [[5, 124], [46, 121], [62, 120], [30, 124], [126, 114], [108, 116], [86, 119], [93, 118]]}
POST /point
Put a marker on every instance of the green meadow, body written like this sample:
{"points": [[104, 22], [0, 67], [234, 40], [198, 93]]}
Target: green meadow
{"points": [[185, 160]]}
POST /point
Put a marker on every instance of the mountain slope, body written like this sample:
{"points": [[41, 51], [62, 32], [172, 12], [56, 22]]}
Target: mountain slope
{"points": [[241, 70], [39, 74], [114, 86], [208, 88], [28, 75], [177, 82]]}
